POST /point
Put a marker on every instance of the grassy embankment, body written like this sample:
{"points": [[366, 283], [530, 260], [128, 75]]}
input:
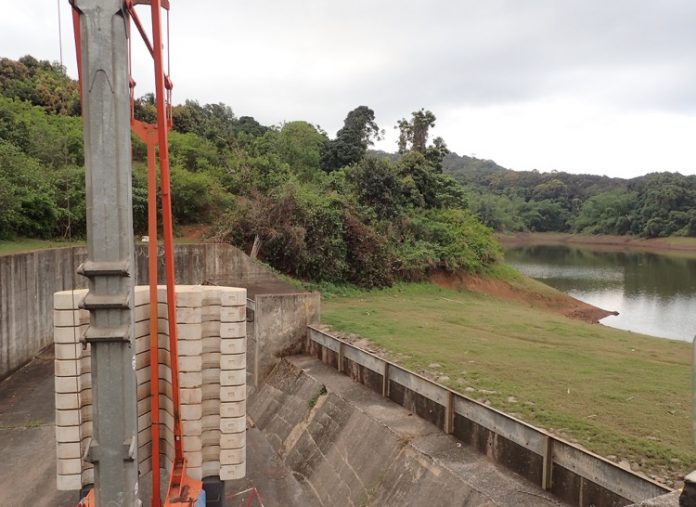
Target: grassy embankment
{"points": [[622, 395], [23, 245]]}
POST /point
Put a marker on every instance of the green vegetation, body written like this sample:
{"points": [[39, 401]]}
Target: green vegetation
{"points": [[616, 393], [316, 208], [654, 205]]}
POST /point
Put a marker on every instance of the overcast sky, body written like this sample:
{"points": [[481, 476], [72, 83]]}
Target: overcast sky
{"points": [[596, 86]]}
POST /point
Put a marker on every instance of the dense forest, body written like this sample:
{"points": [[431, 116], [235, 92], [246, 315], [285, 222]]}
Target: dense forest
{"points": [[657, 204], [312, 206]]}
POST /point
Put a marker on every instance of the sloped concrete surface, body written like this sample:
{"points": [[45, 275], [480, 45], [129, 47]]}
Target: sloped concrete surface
{"points": [[350, 447]]}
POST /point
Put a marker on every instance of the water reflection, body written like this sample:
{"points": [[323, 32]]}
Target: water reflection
{"points": [[654, 294]]}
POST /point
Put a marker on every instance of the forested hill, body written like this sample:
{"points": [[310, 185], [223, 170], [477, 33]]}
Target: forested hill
{"points": [[314, 206], [657, 204]]}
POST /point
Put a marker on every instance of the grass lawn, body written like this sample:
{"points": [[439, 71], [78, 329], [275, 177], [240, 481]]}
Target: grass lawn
{"points": [[22, 245], [622, 395]]}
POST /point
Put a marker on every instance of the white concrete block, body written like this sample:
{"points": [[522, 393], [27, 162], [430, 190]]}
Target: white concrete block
{"points": [[232, 377], [68, 334], [190, 363], [211, 328], [68, 384], [191, 412], [211, 376], [232, 456], [210, 313], [70, 318], [211, 468], [211, 360], [189, 315], [68, 350], [189, 331], [88, 474], [68, 417], [66, 434], [191, 443], [67, 367], [191, 395], [233, 314], [211, 344], [232, 296], [233, 345], [231, 472], [189, 296], [69, 482], [233, 362], [190, 379], [232, 440], [232, 393], [210, 422], [68, 299], [67, 401], [232, 329], [190, 347], [232, 424], [68, 450], [233, 409]]}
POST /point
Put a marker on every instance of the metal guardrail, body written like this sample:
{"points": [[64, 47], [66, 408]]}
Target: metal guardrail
{"points": [[553, 450]]}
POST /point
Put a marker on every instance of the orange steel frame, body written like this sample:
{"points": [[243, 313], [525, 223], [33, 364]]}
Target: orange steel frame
{"points": [[183, 490]]}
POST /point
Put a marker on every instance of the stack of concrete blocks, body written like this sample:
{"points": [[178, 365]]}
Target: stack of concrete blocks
{"points": [[211, 328]]}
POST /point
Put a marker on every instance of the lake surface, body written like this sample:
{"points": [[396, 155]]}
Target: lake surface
{"points": [[654, 294]]}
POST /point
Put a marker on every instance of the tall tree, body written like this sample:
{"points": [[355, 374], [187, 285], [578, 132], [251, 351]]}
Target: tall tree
{"points": [[413, 135], [358, 133]]}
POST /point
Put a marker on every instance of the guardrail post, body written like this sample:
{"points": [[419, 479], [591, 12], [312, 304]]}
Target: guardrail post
{"points": [[341, 356], [449, 413], [385, 380], [547, 465]]}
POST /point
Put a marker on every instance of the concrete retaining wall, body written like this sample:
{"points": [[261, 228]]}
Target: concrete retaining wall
{"points": [[28, 282], [280, 327], [572, 474]]}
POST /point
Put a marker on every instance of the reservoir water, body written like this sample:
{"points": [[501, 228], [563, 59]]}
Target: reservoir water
{"points": [[654, 294]]}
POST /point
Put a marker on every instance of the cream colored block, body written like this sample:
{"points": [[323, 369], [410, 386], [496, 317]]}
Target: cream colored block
{"points": [[189, 331], [191, 412], [232, 440], [232, 329], [190, 363], [194, 459], [211, 376], [189, 296], [67, 417], [232, 456], [68, 299], [67, 368], [232, 393], [211, 392], [67, 401], [68, 334], [191, 395], [142, 329], [211, 344], [231, 472], [88, 475], [211, 328], [233, 345], [68, 350], [233, 361], [190, 347], [210, 313], [211, 468], [68, 384], [233, 314], [234, 409], [211, 451], [141, 313], [192, 428], [191, 443], [211, 406], [211, 295], [210, 422], [69, 482], [232, 424], [190, 379], [68, 450], [211, 360], [195, 473], [141, 294], [66, 434], [188, 315], [232, 377], [232, 296], [70, 318]]}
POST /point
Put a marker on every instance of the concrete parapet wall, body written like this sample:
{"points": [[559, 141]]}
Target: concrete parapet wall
{"points": [[280, 327], [571, 473], [211, 327], [29, 280]]}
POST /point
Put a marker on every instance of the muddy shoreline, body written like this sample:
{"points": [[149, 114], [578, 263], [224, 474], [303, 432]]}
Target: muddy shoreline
{"points": [[672, 245]]}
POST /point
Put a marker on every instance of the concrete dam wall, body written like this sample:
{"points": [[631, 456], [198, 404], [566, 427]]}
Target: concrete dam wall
{"points": [[28, 281]]}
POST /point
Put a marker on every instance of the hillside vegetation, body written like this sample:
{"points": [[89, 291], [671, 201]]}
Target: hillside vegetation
{"points": [[312, 206], [654, 205]]}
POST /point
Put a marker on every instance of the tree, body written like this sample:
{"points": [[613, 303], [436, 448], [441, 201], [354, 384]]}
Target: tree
{"points": [[415, 132], [358, 133]]}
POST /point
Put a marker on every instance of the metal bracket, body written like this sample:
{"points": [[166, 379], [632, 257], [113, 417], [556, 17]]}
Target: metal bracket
{"points": [[93, 268], [103, 335], [93, 301], [93, 451]]}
